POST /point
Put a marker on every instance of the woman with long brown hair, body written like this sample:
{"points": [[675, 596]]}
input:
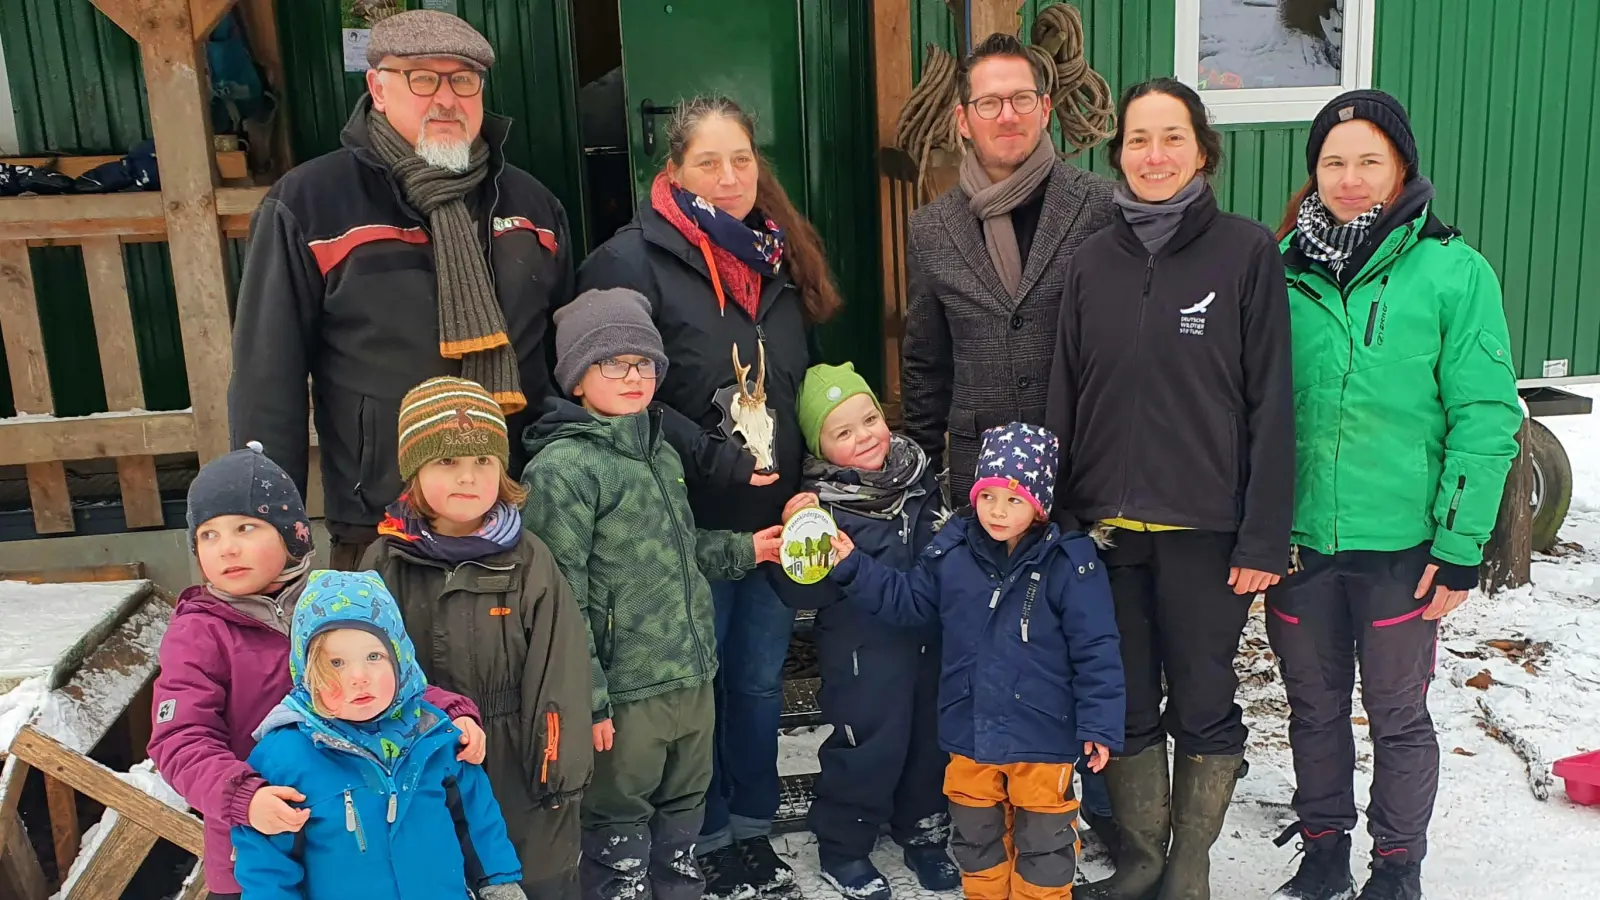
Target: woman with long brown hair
{"points": [[728, 265]]}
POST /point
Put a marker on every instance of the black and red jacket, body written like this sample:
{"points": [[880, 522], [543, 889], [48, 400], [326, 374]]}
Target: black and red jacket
{"points": [[339, 286]]}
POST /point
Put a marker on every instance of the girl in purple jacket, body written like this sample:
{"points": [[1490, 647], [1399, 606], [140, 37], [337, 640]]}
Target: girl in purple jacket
{"points": [[225, 657]]}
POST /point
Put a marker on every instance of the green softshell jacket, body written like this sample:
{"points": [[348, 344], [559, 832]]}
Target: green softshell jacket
{"points": [[503, 630], [1405, 397], [607, 496]]}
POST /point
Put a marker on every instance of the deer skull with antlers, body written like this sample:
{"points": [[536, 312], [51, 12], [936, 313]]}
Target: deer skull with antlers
{"points": [[747, 408]]}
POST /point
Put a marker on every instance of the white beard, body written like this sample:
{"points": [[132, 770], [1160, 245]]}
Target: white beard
{"points": [[453, 156]]}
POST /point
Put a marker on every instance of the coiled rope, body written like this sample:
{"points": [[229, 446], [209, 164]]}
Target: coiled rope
{"points": [[1080, 96]]}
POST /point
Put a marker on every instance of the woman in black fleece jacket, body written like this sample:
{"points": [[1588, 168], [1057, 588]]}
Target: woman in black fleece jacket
{"points": [[1171, 394]]}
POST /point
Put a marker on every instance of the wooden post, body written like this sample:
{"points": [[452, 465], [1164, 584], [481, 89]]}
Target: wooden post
{"points": [[30, 383], [180, 117], [1508, 557], [63, 803], [891, 46], [114, 862], [992, 16], [20, 874]]}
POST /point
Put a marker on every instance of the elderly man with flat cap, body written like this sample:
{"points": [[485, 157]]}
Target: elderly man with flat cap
{"points": [[413, 251]]}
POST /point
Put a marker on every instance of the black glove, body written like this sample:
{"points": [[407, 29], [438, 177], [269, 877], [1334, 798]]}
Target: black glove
{"points": [[1454, 576]]}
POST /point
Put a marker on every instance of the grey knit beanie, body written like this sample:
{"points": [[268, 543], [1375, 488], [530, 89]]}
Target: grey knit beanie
{"points": [[601, 324]]}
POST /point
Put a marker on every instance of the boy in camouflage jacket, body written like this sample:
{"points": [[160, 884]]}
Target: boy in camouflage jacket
{"points": [[606, 493]]}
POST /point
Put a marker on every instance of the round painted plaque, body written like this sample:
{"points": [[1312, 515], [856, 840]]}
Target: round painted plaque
{"points": [[808, 552]]}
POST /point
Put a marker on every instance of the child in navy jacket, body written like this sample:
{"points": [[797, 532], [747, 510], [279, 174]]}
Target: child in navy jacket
{"points": [[880, 681], [1031, 670], [394, 814]]}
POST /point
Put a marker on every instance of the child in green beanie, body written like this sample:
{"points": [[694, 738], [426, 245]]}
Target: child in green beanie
{"points": [[882, 765]]}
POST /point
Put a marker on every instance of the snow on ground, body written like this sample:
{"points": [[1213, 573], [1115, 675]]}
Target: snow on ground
{"points": [[1492, 838]]}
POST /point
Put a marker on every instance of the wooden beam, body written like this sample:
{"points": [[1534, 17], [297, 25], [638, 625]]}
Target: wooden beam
{"points": [[114, 862], [77, 574], [30, 384], [141, 492], [891, 47], [105, 436], [180, 117], [125, 14], [13, 777], [89, 777], [20, 874], [994, 16], [63, 803], [207, 15], [69, 217]]}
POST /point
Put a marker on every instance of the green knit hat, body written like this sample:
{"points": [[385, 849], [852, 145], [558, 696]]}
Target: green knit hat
{"points": [[824, 388], [444, 417]]}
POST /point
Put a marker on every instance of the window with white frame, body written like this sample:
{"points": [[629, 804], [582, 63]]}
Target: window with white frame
{"points": [[1273, 60]]}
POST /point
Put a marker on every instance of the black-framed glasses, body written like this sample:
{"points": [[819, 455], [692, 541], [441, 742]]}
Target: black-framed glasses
{"points": [[617, 370], [426, 82], [989, 107]]}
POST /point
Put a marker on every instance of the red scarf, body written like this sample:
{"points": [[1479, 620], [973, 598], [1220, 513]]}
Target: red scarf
{"points": [[727, 271]]}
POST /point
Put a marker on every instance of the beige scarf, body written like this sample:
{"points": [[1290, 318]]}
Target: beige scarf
{"points": [[993, 204]]}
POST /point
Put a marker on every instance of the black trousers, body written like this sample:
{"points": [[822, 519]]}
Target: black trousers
{"points": [[1180, 623], [1359, 605], [882, 765]]}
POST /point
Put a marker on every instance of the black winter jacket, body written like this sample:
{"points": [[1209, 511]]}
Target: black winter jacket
{"points": [[1171, 388], [339, 285], [652, 257]]}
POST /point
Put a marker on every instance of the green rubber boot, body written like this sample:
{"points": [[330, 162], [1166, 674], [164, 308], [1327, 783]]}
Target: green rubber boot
{"points": [[1139, 787], [1202, 788]]}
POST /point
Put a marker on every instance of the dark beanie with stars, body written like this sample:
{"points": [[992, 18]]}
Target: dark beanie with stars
{"points": [[247, 483]]}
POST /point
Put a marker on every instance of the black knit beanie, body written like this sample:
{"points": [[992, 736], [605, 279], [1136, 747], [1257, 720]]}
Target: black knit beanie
{"points": [[247, 483], [1376, 107]]}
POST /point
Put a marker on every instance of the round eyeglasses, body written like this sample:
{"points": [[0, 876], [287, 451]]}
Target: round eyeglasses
{"points": [[989, 107], [426, 82]]}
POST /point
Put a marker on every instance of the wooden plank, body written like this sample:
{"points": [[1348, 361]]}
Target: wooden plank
{"points": [[13, 777], [114, 862], [141, 492], [113, 323], [230, 163], [49, 498], [206, 14], [89, 777], [24, 342], [77, 574], [892, 64], [20, 874], [104, 436], [65, 217], [181, 120], [138, 719], [128, 659], [1508, 557], [992, 16], [63, 802]]}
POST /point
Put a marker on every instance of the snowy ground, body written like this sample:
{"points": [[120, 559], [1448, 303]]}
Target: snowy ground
{"points": [[1492, 837]]}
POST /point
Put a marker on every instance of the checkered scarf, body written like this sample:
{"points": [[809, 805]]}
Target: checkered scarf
{"points": [[1320, 238]]}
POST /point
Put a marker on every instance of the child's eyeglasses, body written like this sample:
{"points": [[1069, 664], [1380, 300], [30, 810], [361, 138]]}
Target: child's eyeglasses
{"points": [[617, 369]]}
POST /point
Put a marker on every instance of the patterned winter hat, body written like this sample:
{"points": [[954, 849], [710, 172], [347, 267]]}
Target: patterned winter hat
{"points": [[247, 483], [445, 417], [1021, 458]]}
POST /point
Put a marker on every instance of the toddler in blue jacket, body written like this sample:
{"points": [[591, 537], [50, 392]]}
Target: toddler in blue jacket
{"points": [[394, 814], [1030, 670]]}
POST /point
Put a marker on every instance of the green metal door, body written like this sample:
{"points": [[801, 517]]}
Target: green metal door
{"points": [[749, 52]]}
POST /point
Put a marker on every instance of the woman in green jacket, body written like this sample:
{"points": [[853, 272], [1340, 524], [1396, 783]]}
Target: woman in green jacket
{"points": [[1406, 416]]}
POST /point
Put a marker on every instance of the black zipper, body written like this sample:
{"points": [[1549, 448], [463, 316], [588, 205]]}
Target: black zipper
{"points": [[1455, 503], [1372, 314], [1133, 407]]}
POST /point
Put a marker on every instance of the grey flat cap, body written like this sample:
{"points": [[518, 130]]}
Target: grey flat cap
{"points": [[427, 32]]}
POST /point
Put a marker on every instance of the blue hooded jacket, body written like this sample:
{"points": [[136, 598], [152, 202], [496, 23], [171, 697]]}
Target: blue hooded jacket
{"points": [[1031, 665], [394, 814]]}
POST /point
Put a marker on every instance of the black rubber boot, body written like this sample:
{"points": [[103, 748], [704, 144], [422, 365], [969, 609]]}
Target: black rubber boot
{"points": [[1393, 880], [615, 863], [1324, 869], [1139, 787], [1202, 788]]}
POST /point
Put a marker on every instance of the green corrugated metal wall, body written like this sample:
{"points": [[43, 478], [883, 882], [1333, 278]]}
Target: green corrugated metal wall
{"points": [[1502, 98]]}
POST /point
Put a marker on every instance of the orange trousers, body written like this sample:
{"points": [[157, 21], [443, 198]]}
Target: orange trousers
{"points": [[1013, 829]]}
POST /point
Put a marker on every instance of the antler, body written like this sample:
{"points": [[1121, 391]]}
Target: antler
{"points": [[741, 372], [761, 372]]}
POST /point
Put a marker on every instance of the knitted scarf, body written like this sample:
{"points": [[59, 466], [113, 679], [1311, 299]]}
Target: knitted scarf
{"points": [[1154, 224], [993, 203], [501, 531], [1320, 238], [730, 274], [471, 325], [879, 493]]}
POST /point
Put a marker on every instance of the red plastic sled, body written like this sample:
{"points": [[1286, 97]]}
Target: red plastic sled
{"points": [[1582, 774]]}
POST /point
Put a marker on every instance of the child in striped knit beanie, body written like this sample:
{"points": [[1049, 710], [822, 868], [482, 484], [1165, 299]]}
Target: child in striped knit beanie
{"points": [[491, 617]]}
